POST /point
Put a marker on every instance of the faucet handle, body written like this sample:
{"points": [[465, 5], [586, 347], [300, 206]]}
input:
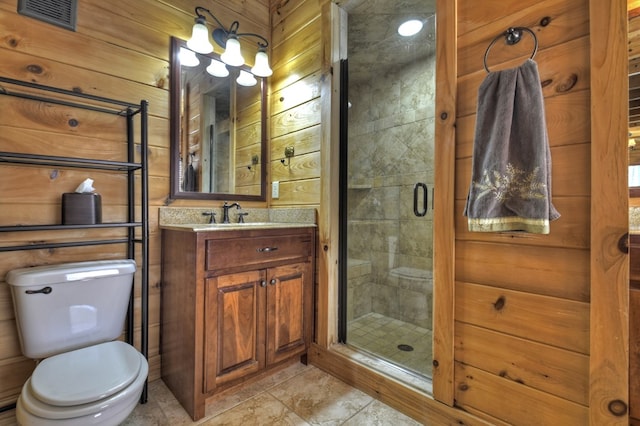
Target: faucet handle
{"points": [[212, 216], [241, 217]]}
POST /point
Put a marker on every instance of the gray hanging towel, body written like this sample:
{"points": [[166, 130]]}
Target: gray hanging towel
{"points": [[511, 167]]}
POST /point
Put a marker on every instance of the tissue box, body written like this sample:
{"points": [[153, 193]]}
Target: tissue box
{"points": [[81, 209]]}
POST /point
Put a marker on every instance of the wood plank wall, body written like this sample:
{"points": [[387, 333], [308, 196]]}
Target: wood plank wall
{"points": [[120, 50], [295, 101], [522, 302]]}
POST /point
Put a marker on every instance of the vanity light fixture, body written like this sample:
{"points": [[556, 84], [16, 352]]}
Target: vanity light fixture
{"points": [[229, 40], [410, 27], [188, 58], [217, 69], [246, 79]]}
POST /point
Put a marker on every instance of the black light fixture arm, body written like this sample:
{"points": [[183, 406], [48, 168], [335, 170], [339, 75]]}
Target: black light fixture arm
{"points": [[264, 43], [201, 17], [233, 28]]}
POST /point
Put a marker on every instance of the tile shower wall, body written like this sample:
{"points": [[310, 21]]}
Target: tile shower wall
{"points": [[391, 142]]}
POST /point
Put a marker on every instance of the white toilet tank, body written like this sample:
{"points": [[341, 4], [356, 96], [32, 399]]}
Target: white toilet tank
{"points": [[68, 306]]}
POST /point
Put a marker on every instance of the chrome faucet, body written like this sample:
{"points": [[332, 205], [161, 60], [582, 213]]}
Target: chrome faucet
{"points": [[225, 211]]}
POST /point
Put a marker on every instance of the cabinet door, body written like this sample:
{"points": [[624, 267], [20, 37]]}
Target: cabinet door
{"points": [[234, 320], [289, 312]]}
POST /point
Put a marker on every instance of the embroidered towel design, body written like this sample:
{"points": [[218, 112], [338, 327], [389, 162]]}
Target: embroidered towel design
{"points": [[511, 166]]}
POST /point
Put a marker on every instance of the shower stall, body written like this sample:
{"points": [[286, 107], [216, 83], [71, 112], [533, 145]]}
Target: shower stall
{"points": [[387, 183]]}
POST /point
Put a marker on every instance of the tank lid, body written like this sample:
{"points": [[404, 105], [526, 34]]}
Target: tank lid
{"points": [[67, 272]]}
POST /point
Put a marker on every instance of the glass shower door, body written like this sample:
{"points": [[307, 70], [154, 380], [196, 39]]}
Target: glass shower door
{"points": [[388, 183]]}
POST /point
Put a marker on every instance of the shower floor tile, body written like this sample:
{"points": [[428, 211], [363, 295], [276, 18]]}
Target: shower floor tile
{"points": [[381, 336]]}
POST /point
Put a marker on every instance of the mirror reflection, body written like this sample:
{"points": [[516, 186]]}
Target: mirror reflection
{"points": [[218, 119]]}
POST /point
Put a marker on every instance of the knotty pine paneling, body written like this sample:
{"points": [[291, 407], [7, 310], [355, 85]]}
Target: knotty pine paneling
{"points": [[299, 117], [525, 315], [23, 66], [554, 22], [307, 38], [548, 368], [295, 103], [470, 17], [554, 271], [301, 91], [305, 141], [287, 23], [14, 372], [304, 166], [483, 393], [295, 68], [42, 40], [298, 192], [252, 14]]}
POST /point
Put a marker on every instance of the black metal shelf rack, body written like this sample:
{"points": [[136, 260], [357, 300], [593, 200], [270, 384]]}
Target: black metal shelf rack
{"points": [[42, 93]]}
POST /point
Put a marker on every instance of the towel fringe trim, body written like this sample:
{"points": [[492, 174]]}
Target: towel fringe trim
{"points": [[502, 224]]}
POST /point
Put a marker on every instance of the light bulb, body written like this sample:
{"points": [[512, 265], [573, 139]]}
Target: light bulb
{"points": [[410, 27], [217, 69], [188, 58], [232, 55], [199, 41], [246, 79], [261, 66]]}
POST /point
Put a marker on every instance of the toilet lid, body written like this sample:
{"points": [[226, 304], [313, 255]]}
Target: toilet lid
{"points": [[86, 374]]}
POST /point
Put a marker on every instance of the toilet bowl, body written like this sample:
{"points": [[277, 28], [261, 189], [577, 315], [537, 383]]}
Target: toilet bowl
{"points": [[68, 316], [98, 385]]}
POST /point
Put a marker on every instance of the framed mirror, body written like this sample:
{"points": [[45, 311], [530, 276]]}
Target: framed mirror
{"points": [[218, 128]]}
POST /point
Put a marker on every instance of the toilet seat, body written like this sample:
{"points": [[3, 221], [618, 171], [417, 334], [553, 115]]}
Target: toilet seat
{"points": [[69, 381], [61, 380]]}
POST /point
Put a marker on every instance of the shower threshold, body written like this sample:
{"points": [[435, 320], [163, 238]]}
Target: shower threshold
{"points": [[400, 349], [384, 367]]}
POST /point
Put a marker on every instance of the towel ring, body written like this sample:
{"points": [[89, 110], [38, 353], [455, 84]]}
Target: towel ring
{"points": [[512, 36]]}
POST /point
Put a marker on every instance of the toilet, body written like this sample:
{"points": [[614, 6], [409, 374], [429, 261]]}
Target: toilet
{"points": [[68, 317]]}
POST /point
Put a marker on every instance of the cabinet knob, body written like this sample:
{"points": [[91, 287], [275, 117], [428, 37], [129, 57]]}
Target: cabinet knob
{"points": [[273, 281], [263, 283]]}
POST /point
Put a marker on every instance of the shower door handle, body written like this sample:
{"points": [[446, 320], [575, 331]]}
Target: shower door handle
{"points": [[425, 199]]}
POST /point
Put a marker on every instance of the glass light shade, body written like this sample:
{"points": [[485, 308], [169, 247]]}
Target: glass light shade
{"points": [[261, 66], [199, 41], [410, 27], [188, 58], [246, 79], [217, 69], [232, 55]]}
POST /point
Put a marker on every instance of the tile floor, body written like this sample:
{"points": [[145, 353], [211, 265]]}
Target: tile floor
{"points": [[381, 335], [296, 395]]}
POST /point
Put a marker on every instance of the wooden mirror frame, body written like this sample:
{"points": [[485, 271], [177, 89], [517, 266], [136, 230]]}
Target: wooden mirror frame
{"points": [[174, 143]]}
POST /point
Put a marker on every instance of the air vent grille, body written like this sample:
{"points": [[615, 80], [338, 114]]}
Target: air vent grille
{"points": [[62, 13]]}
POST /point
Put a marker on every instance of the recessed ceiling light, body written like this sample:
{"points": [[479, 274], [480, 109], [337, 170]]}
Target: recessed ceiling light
{"points": [[410, 27]]}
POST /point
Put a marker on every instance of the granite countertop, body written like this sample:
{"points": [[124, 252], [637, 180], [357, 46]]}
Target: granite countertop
{"points": [[202, 227], [195, 218]]}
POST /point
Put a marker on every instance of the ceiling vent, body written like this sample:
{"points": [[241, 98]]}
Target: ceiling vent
{"points": [[62, 13]]}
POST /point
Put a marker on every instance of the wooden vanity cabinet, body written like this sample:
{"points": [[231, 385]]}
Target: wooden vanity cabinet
{"points": [[234, 305]]}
